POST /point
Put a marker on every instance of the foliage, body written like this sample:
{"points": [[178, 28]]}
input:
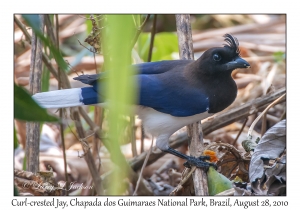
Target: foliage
{"points": [[165, 44], [25, 108], [217, 182]]}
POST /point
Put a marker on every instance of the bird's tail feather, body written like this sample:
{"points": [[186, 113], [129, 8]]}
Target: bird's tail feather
{"points": [[59, 98]]}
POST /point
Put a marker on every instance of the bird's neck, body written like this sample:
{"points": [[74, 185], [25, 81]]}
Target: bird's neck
{"points": [[221, 91], [220, 87]]}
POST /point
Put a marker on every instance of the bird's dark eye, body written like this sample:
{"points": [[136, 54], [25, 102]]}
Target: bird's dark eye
{"points": [[217, 57]]}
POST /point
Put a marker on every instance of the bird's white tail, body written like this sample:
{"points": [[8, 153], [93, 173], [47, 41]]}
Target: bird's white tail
{"points": [[59, 98]]}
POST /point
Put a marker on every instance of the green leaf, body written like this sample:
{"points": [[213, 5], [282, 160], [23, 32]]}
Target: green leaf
{"points": [[279, 56], [25, 108], [89, 25], [16, 142], [217, 182], [249, 145], [165, 44], [24, 163]]}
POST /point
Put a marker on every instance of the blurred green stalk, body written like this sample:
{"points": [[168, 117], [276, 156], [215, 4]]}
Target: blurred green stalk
{"points": [[119, 89]]}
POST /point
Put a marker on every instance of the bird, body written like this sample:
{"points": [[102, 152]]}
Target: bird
{"points": [[171, 93]]}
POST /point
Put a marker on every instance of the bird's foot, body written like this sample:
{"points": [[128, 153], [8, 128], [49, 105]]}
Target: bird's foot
{"points": [[199, 162]]}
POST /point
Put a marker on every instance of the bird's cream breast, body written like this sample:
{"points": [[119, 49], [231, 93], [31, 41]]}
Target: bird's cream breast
{"points": [[157, 123]]}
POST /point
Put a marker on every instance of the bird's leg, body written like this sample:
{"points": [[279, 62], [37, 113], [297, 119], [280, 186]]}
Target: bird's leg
{"points": [[200, 162], [192, 161]]}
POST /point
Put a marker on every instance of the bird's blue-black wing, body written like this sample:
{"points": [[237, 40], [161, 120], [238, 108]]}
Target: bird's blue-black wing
{"points": [[141, 68], [160, 66], [171, 97]]}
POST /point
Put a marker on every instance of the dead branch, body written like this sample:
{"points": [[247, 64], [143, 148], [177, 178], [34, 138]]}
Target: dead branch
{"points": [[33, 128]]}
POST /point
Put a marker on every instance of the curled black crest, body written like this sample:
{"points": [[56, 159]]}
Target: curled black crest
{"points": [[232, 42]]}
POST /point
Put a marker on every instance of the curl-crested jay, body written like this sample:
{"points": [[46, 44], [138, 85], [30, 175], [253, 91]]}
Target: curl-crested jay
{"points": [[171, 94]]}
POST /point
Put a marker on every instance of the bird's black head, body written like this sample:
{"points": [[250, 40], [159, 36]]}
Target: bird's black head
{"points": [[222, 59]]}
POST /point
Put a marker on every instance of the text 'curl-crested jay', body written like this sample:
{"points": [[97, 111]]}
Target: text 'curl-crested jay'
{"points": [[171, 94]]}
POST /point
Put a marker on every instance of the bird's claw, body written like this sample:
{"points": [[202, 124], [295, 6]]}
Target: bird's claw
{"points": [[199, 162]]}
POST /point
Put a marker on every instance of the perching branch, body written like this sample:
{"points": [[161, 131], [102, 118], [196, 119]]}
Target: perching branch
{"points": [[185, 41]]}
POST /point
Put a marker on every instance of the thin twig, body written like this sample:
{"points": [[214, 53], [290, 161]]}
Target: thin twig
{"points": [[241, 130], [138, 31], [229, 192], [142, 137], [98, 119], [95, 62], [132, 136], [183, 180], [152, 38], [88, 155], [263, 124], [261, 114], [131, 173], [144, 165], [56, 41], [23, 29], [49, 27], [91, 50], [45, 58], [85, 17]]}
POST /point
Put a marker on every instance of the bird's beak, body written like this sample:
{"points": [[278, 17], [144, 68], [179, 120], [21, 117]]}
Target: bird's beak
{"points": [[237, 63]]}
